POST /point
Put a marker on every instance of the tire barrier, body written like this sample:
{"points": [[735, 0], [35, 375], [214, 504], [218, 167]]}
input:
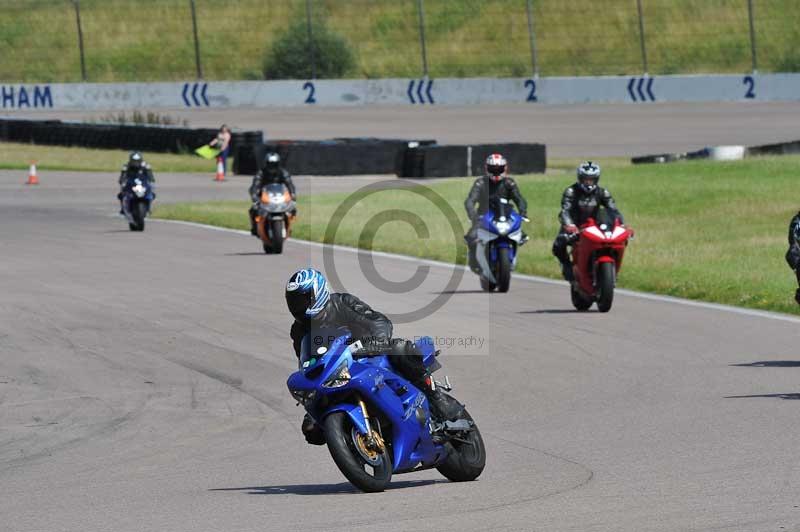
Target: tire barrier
{"points": [[340, 156], [458, 160], [150, 138], [402, 157]]}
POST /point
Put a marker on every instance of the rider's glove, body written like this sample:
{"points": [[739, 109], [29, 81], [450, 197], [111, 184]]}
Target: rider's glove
{"points": [[571, 228]]}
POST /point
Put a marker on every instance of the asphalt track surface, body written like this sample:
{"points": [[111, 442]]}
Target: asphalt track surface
{"points": [[570, 131], [142, 388]]}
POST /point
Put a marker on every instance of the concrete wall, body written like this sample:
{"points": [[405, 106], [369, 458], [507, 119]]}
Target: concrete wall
{"points": [[634, 90]]}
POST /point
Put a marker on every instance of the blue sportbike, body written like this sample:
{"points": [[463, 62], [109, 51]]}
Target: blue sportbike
{"points": [[137, 197], [498, 238], [375, 422]]}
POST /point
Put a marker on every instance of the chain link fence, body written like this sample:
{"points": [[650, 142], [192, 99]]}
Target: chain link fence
{"points": [[166, 40]]}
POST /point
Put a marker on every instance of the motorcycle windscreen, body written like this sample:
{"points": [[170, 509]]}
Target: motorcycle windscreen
{"points": [[319, 342]]}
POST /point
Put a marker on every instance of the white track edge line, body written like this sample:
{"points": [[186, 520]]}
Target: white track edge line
{"points": [[525, 277]]}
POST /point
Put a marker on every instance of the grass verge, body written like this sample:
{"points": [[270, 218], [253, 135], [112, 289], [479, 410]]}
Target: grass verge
{"points": [[707, 231], [16, 156], [464, 38]]}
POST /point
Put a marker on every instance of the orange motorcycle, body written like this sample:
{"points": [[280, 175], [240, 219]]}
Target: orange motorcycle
{"points": [[274, 217]]}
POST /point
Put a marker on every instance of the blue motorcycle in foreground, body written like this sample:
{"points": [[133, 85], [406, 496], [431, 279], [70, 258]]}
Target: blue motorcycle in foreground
{"points": [[377, 423], [498, 237], [137, 196]]}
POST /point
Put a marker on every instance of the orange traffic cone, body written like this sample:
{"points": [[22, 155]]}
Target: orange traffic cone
{"points": [[220, 170], [33, 179]]}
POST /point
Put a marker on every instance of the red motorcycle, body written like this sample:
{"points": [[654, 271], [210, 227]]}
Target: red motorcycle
{"points": [[597, 258]]}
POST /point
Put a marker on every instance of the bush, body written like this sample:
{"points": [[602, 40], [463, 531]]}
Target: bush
{"points": [[290, 55]]}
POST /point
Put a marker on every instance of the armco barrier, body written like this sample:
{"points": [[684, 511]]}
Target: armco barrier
{"points": [[723, 153], [638, 90], [782, 148]]}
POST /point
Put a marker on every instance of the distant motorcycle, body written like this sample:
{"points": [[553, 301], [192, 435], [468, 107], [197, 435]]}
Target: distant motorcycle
{"points": [[597, 258], [498, 237], [275, 216], [377, 423], [137, 197]]}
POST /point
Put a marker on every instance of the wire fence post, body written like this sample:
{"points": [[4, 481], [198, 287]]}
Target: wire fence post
{"points": [[641, 36], [752, 35], [76, 3], [311, 55], [532, 35], [197, 63], [421, 9]]}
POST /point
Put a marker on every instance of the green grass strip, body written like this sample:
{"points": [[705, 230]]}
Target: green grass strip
{"points": [[706, 231]]}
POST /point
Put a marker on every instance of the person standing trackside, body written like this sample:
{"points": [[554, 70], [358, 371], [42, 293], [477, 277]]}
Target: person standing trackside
{"points": [[793, 255], [223, 143]]}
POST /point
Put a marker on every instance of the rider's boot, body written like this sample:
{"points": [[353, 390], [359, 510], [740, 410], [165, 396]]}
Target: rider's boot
{"points": [[312, 431], [443, 407], [524, 238], [253, 229], [472, 258], [797, 296]]}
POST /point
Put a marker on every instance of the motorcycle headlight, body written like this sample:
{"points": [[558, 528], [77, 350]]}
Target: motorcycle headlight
{"points": [[139, 190], [277, 198], [339, 378], [304, 397], [502, 227]]}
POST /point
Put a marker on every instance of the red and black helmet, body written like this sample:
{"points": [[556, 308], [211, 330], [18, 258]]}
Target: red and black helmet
{"points": [[496, 167]]}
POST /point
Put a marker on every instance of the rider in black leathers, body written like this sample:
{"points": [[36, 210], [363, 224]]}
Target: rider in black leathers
{"points": [[271, 172], [486, 189], [135, 167], [372, 328], [580, 202], [793, 255]]}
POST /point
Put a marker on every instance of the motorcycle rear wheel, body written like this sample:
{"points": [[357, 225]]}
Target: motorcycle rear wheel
{"points": [[486, 285], [578, 301], [465, 460], [340, 436], [606, 277]]}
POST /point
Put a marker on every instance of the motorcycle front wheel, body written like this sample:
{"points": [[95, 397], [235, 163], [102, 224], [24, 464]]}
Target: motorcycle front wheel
{"points": [[606, 277], [138, 213], [369, 471], [503, 270], [276, 236]]}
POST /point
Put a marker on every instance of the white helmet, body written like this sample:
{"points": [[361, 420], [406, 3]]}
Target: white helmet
{"points": [[496, 167], [588, 176]]}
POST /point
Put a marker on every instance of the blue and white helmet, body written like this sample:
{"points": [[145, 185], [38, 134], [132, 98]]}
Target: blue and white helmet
{"points": [[307, 293], [588, 176]]}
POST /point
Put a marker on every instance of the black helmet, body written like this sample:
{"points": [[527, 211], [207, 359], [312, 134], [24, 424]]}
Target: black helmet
{"points": [[588, 176], [307, 293], [135, 160], [272, 161]]}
